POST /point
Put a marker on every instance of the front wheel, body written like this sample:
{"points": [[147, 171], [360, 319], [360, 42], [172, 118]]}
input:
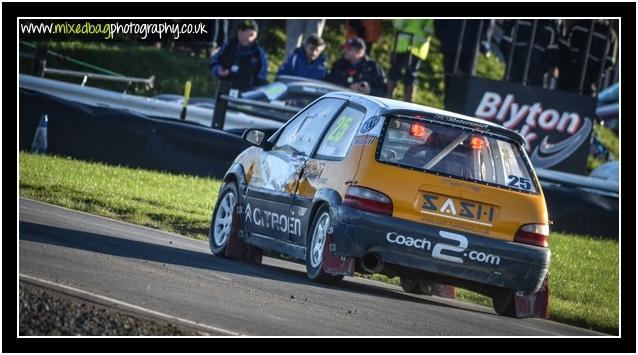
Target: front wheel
{"points": [[222, 219], [410, 285], [316, 246]]}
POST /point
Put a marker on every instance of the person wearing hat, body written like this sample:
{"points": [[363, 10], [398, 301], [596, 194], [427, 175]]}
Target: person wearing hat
{"points": [[357, 72], [308, 61], [242, 60]]}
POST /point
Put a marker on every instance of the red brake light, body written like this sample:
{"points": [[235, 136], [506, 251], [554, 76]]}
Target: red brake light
{"points": [[533, 234], [369, 200], [417, 130], [477, 143]]}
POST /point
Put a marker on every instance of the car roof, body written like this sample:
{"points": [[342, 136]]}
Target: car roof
{"points": [[384, 106]]}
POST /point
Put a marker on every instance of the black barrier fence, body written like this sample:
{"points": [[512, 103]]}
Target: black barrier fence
{"points": [[584, 50], [119, 137], [579, 211]]}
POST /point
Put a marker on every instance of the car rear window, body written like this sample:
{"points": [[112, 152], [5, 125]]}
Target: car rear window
{"points": [[456, 152]]}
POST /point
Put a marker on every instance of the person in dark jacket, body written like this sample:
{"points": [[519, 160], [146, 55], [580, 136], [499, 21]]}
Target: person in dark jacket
{"points": [[543, 60], [357, 72], [603, 51], [308, 61], [242, 60]]}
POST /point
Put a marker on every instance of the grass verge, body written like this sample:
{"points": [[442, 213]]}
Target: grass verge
{"points": [[583, 275]]}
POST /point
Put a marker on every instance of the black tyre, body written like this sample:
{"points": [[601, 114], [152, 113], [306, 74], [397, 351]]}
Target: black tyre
{"points": [[315, 248], [504, 303], [222, 219], [410, 285]]}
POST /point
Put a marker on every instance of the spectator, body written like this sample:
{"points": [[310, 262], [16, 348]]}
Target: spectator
{"points": [[357, 72], [544, 56], [602, 54], [414, 33], [308, 61], [368, 30], [449, 32], [242, 60], [298, 30]]}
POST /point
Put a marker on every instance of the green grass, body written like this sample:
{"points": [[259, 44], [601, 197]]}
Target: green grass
{"points": [[583, 281], [174, 203], [583, 275], [609, 139]]}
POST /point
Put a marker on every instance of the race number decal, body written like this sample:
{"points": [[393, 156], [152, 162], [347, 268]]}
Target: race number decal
{"points": [[519, 182], [340, 129]]}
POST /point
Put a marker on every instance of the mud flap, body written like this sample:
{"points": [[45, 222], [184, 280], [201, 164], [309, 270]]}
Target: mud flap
{"points": [[437, 289], [534, 305], [335, 265], [236, 248]]}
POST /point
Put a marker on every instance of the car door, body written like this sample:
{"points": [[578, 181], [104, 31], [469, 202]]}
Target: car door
{"points": [[334, 162], [274, 180]]}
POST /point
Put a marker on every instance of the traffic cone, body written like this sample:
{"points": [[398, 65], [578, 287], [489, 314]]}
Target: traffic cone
{"points": [[40, 140]]}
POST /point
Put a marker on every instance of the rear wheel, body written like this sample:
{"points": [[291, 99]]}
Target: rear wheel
{"points": [[504, 302], [222, 219], [410, 285], [316, 246]]}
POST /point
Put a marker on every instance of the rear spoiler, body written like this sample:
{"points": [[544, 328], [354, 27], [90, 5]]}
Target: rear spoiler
{"points": [[469, 122]]}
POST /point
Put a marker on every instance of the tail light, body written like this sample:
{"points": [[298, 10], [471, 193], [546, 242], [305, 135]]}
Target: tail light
{"points": [[533, 234], [369, 200]]}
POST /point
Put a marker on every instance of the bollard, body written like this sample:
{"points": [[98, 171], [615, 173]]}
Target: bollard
{"points": [[40, 139], [187, 94]]}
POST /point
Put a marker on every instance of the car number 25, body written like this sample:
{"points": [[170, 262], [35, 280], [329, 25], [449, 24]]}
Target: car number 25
{"points": [[520, 182]]}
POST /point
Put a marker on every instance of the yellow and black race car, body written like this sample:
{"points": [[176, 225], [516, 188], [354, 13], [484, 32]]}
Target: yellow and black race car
{"points": [[360, 183]]}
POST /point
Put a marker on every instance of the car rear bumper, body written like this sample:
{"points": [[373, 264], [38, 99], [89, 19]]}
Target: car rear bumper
{"points": [[440, 251]]}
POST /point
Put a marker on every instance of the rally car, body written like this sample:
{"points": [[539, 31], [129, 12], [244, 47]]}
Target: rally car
{"points": [[360, 183]]}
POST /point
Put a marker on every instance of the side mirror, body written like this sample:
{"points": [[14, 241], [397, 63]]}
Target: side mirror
{"points": [[254, 137]]}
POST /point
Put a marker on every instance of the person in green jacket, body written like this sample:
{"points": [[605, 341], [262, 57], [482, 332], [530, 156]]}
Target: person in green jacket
{"points": [[418, 34]]}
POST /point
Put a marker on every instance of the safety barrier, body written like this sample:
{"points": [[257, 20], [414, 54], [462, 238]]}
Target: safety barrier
{"points": [[121, 137]]}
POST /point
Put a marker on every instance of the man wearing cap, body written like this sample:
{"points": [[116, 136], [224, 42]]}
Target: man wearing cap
{"points": [[308, 61], [357, 72], [242, 60]]}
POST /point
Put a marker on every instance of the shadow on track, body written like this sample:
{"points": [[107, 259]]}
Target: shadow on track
{"points": [[115, 246]]}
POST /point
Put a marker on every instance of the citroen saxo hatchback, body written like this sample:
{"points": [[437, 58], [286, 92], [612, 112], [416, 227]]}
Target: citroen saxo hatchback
{"points": [[359, 183]]}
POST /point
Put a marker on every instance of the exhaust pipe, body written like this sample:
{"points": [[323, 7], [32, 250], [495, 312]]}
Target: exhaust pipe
{"points": [[371, 263]]}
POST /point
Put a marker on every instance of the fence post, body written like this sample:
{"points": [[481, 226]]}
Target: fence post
{"points": [[457, 55], [221, 105], [511, 56], [586, 62], [603, 60], [39, 61], [478, 46], [529, 51]]}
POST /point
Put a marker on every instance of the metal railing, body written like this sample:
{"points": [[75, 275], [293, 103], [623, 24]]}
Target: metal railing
{"points": [[224, 100], [148, 82]]}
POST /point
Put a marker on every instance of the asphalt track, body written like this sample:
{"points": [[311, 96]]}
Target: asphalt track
{"points": [[163, 275]]}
